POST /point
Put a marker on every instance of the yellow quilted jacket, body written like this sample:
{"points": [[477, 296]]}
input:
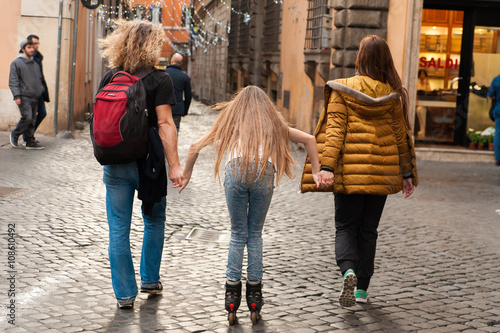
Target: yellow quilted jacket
{"points": [[364, 138]]}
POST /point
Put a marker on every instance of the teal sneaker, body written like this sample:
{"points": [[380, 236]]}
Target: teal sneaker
{"points": [[361, 296], [346, 297]]}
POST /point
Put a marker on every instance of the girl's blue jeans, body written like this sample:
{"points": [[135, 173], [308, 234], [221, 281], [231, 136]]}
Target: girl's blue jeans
{"points": [[248, 203], [121, 182]]}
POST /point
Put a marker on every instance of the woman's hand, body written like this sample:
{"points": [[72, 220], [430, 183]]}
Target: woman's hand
{"points": [[185, 181], [408, 187], [325, 179], [316, 179]]}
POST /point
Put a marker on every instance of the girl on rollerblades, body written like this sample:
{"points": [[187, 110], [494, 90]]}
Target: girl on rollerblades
{"points": [[256, 139]]}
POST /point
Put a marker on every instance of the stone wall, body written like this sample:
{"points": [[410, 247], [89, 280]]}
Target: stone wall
{"points": [[354, 19]]}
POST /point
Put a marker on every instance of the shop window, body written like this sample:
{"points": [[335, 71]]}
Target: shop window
{"points": [[319, 25], [439, 63], [486, 66]]}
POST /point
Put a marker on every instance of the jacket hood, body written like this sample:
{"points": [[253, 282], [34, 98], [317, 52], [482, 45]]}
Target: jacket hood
{"points": [[24, 57], [367, 96]]}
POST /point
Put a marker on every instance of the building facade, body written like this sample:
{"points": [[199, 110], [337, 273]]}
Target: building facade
{"points": [[291, 48], [77, 85], [24, 17], [210, 29], [174, 15]]}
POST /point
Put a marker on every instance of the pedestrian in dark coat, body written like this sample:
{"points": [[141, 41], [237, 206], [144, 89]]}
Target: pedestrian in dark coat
{"points": [[182, 87]]}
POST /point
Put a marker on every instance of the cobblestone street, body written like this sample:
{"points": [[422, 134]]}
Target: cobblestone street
{"points": [[437, 265]]}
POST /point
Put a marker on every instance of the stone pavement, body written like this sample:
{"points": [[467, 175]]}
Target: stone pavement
{"points": [[437, 265]]}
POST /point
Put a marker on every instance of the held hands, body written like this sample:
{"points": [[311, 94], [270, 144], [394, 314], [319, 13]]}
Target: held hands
{"points": [[185, 181], [324, 179], [176, 175], [18, 101], [316, 179], [408, 187]]}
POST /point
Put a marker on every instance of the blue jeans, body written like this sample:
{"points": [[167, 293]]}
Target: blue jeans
{"points": [[248, 203], [496, 138], [121, 182]]}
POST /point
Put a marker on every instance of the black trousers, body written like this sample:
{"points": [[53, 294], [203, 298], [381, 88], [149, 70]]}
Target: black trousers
{"points": [[356, 221]]}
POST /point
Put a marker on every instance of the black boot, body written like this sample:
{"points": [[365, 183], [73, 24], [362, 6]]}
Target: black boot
{"points": [[254, 300], [233, 300]]}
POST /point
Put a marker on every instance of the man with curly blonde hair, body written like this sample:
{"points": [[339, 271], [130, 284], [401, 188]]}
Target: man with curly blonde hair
{"points": [[135, 46]]}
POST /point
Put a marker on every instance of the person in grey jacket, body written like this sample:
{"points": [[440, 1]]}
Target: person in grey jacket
{"points": [[182, 88], [25, 82], [38, 58]]}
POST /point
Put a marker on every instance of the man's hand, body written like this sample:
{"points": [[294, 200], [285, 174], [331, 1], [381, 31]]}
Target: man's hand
{"points": [[18, 101], [175, 175]]}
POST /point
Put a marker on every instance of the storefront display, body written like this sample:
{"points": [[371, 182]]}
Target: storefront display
{"points": [[440, 60]]}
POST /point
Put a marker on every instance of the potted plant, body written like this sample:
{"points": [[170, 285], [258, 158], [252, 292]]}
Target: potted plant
{"points": [[490, 141], [473, 137], [482, 140]]}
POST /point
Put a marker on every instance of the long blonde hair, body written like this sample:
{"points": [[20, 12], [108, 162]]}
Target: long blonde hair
{"points": [[248, 122], [134, 45]]}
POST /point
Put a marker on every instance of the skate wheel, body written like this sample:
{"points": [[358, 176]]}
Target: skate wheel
{"points": [[255, 317], [231, 317]]}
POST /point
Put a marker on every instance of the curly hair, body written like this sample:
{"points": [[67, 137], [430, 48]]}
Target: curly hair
{"points": [[133, 45]]}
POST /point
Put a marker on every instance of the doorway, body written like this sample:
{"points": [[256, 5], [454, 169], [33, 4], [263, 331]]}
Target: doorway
{"points": [[438, 75]]}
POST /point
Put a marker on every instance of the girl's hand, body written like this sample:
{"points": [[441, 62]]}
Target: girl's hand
{"points": [[316, 179], [184, 183], [408, 187]]}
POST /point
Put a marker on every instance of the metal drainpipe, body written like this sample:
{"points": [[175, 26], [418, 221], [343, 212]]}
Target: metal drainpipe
{"points": [[72, 94], [58, 65]]}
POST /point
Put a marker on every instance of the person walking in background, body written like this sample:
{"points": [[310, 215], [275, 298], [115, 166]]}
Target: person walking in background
{"points": [[25, 82], [182, 87], [256, 138], [41, 111], [366, 153], [493, 94], [134, 47]]}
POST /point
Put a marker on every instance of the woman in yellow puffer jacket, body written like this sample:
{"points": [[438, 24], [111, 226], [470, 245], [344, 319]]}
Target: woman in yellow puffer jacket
{"points": [[366, 152]]}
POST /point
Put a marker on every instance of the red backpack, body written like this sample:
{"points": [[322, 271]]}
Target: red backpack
{"points": [[119, 123]]}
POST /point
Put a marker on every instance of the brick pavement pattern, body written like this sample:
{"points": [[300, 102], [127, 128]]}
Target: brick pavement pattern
{"points": [[437, 265]]}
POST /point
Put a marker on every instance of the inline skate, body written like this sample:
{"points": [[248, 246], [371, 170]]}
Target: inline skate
{"points": [[254, 300], [233, 300]]}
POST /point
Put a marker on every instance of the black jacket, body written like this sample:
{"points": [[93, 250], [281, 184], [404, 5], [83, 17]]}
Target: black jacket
{"points": [[182, 86], [38, 58], [152, 173]]}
